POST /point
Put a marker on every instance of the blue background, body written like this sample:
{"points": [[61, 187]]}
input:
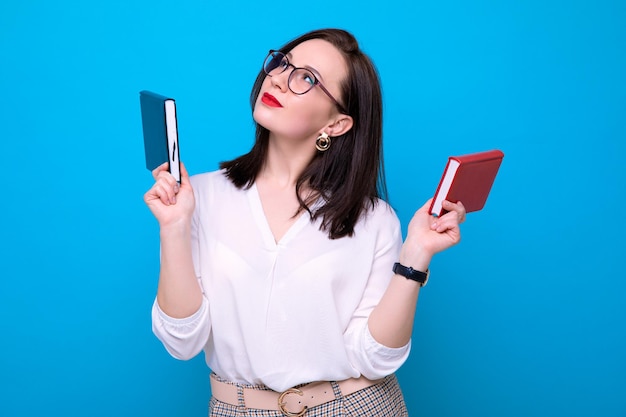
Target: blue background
{"points": [[524, 318]]}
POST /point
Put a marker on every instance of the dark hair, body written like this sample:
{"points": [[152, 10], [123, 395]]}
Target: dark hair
{"points": [[350, 174]]}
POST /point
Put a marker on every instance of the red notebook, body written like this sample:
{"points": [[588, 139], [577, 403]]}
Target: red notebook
{"points": [[468, 179]]}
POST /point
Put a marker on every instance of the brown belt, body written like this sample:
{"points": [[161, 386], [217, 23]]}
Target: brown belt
{"points": [[294, 402]]}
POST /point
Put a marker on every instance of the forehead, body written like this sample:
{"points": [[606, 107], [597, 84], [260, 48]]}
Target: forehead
{"points": [[322, 56]]}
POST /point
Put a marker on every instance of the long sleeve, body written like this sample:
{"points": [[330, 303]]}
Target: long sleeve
{"points": [[182, 338], [288, 312], [369, 357], [185, 338]]}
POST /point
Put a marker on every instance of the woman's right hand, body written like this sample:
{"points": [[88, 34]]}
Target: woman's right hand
{"points": [[168, 201]]}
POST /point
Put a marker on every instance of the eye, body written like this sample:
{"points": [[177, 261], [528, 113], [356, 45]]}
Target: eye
{"points": [[305, 77], [309, 78], [301, 80], [275, 62]]}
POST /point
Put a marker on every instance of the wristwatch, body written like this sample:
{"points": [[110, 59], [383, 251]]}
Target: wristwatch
{"points": [[410, 273]]}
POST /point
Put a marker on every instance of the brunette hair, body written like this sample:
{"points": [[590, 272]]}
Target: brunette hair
{"points": [[349, 176]]}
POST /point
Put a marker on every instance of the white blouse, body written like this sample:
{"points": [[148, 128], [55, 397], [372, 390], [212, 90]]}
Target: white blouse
{"points": [[288, 312]]}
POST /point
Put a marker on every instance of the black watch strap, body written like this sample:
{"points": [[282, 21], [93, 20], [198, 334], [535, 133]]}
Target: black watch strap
{"points": [[410, 273]]}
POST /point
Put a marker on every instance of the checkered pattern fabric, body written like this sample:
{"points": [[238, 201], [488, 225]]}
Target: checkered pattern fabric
{"points": [[381, 400]]}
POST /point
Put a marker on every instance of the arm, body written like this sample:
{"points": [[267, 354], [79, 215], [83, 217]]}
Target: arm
{"points": [[391, 321], [179, 294], [180, 314]]}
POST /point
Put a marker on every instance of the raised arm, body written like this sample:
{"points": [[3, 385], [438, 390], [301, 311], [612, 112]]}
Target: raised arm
{"points": [[391, 321], [179, 295]]}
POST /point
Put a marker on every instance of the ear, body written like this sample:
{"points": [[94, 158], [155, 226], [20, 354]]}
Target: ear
{"points": [[340, 125]]}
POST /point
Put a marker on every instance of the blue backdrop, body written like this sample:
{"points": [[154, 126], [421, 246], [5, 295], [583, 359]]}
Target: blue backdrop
{"points": [[524, 318]]}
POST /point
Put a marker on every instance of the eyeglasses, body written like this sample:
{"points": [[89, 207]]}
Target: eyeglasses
{"points": [[300, 81]]}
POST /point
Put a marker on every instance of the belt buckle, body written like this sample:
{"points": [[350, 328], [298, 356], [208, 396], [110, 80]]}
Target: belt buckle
{"points": [[281, 403]]}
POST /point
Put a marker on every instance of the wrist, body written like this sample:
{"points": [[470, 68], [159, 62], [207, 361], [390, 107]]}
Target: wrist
{"points": [[411, 274], [179, 229], [415, 257]]}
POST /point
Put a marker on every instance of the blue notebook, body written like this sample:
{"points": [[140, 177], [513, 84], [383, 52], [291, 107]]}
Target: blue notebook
{"points": [[160, 131]]}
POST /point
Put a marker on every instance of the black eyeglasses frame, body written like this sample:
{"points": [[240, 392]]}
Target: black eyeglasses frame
{"points": [[317, 82]]}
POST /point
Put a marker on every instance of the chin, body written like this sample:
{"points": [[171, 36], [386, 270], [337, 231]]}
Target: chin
{"points": [[261, 116]]}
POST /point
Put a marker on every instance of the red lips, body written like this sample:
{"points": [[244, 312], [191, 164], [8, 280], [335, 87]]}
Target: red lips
{"points": [[270, 100]]}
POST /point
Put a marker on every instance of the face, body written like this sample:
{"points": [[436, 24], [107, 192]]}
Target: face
{"points": [[287, 114]]}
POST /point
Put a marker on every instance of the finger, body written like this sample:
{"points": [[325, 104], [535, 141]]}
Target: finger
{"points": [[166, 193], [448, 221], [167, 187], [163, 167], [166, 176], [441, 224], [457, 208], [464, 212], [184, 175], [162, 172], [448, 227], [157, 192]]}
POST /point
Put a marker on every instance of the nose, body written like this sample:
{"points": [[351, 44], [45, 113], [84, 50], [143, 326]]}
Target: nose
{"points": [[281, 81]]}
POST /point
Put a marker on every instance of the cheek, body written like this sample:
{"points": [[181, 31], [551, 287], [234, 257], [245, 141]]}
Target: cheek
{"points": [[299, 119], [309, 112], [304, 121]]}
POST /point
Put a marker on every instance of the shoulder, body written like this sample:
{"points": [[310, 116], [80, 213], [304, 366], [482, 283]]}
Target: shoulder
{"points": [[380, 217], [211, 185], [213, 180], [379, 227], [381, 211]]}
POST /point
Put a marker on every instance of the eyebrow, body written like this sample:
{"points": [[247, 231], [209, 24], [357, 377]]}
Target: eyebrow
{"points": [[310, 68]]}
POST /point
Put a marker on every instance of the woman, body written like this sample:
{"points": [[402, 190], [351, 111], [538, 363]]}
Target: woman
{"points": [[285, 266]]}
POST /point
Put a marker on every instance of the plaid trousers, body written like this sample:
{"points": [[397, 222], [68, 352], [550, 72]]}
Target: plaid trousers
{"points": [[381, 400]]}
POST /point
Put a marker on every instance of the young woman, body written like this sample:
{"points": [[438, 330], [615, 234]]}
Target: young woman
{"points": [[286, 266]]}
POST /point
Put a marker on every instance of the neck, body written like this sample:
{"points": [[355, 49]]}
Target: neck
{"points": [[285, 163]]}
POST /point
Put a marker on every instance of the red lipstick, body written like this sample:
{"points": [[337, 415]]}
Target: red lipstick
{"points": [[270, 100]]}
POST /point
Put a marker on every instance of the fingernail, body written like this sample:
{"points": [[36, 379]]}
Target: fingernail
{"points": [[173, 200]]}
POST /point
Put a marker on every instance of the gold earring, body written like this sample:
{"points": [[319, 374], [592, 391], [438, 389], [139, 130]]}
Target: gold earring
{"points": [[322, 143]]}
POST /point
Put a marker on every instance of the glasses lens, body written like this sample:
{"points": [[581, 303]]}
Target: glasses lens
{"points": [[275, 63], [301, 80]]}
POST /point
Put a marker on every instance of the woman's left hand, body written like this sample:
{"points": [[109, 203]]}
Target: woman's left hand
{"points": [[428, 235]]}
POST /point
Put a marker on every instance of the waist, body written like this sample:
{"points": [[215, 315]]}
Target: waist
{"points": [[292, 402]]}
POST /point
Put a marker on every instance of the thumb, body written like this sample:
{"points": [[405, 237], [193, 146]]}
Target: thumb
{"points": [[184, 175]]}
